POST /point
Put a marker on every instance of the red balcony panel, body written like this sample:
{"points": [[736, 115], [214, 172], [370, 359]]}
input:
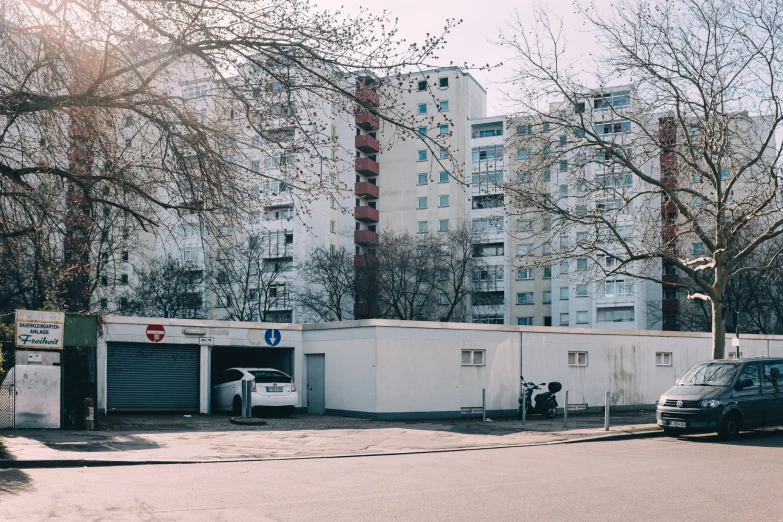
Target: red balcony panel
{"points": [[367, 190], [366, 143], [671, 279], [366, 166], [668, 232], [366, 214], [365, 237], [367, 120], [671, 328], [670, 305], [668, 163], [668, 207], [365, 261], [368, 96]]}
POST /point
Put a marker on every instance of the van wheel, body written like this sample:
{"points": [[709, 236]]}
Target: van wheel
{"points": [[730, 427], [669, 432], [236, 409]]}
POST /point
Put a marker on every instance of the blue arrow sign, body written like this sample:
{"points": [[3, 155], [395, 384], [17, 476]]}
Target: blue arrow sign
{"points": [[272, 337]]}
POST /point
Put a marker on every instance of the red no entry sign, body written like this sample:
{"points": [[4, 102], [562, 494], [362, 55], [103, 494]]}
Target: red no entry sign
{"points": [[155, 333]]}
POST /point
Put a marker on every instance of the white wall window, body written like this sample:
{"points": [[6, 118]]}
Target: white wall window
{"points": [[422, 227], [444, 177], [525, 298], [581, 290], [443, 299], [444, 153], [422, 179], [564, 319], [444, 129], [421, 155], [422, 203], [663, 359], [546, 249], [443, 83], [443, 201], [444, 106], [564, 293], [443, 225], [698, 248], [332, 227], [524, 225], [422, 108], [564, 267], [615, 315], [473, 358], [577, 358], [547, 297], [524, 273], [525, 249], [524, 321], [581, 317], [581, 263], [618, 287]]}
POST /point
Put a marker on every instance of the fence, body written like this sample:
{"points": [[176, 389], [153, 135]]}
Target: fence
{"points": [[7, 402]]}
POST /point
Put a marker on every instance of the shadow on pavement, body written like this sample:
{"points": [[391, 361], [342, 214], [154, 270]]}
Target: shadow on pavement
{"points": [[119, 423], [81, 441], [13, 481], [767, 438]]}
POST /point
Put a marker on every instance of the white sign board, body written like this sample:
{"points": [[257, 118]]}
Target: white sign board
{"points": [[735, 341], [38, 330], [33, 358]]}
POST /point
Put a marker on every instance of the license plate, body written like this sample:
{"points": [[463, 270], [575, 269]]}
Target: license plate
{"points": [[678, 424], [280, 388]]}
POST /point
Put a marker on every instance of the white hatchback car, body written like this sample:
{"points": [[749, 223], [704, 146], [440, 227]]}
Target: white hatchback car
{"points": [[270, 387]]}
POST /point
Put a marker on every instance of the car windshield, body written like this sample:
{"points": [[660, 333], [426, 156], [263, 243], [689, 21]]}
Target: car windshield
{"points": [[270, 376], [710, 374]]}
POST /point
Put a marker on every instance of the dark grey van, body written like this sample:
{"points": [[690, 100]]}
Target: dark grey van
{"points": [[724, 396]]}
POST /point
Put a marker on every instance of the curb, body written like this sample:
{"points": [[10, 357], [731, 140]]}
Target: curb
{"points": [[244, 421], [85, 463]]}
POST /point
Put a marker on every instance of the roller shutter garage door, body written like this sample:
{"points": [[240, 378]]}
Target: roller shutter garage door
{"points": [[143, 377]]}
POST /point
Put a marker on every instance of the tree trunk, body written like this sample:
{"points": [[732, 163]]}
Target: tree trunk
{"points": [[718, 328]]}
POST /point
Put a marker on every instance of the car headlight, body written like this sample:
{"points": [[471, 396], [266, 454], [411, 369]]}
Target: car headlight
{"points": [[712, 403], [661, 401]]}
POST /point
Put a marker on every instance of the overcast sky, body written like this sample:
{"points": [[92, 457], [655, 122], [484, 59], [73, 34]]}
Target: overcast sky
{"points": [[470, 41]]}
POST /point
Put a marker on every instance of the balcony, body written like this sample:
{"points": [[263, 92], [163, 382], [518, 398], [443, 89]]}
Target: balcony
{"points": [[366, 143], [277, 251], [669, 207], [365, 237], [366, 166], [366, 214], [366, 190], [367, 120], [668, 232], [365, 261], [368, 96], [670, 278], [670, 305]]}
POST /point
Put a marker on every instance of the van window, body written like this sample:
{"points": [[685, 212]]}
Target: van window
{"points": [[751, 371], [773, 374]]}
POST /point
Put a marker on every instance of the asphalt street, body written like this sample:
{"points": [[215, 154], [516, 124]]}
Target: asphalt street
{"points": [[695, 479]]}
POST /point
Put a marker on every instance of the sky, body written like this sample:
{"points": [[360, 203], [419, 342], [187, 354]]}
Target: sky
{"points": [[471, 41]]}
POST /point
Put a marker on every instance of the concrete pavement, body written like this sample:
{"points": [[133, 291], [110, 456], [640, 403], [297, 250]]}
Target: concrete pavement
{"points": [[190, 439], [690, 479]]}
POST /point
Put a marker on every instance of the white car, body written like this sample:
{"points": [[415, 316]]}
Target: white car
{"points": [[270, 388]]}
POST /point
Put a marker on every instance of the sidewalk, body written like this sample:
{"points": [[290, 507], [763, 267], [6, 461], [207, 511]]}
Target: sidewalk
{"points": [[142, 439]]}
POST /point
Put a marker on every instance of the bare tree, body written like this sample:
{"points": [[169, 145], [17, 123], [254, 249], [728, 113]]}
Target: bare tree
{"points": [[679, 173], [165, 287], [326, 284], [457, 267], [160, 108]]}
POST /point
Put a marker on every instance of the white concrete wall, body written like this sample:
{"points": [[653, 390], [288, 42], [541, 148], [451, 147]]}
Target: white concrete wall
{"points": [[350, 360]]}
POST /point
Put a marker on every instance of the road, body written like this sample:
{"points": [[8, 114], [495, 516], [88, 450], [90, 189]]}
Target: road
{"points": [[691, 479]]}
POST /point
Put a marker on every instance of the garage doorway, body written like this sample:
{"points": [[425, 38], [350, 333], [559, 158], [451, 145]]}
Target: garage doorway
{"points": [[224, 357], [316, 377]]}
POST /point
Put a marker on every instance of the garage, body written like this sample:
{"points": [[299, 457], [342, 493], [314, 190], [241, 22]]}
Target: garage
{"points": [[224, 357], [144, 377]]}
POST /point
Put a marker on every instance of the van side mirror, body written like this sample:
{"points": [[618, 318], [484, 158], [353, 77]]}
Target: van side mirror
{"points": [[744, 383]]}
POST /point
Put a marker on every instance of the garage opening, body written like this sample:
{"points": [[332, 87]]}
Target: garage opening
{"points": [[147, 377], [224, 357]]}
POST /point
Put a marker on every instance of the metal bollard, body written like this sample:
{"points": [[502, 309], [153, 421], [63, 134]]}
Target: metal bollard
{"points": [[484, 404], [606, 412], [247, 404], [524, 406], [565, 412]]}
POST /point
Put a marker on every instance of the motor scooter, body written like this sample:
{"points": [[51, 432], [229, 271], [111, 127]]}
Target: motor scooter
{"points": [[545, 403]]}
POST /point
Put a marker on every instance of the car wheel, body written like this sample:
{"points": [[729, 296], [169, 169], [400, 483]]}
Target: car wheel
{"points": [[237, 406], [670, 432], [730, 427]]}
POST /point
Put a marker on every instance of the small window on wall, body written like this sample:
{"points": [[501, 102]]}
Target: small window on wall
{"points": [[577, 358], [472, 357], [733, 354], [663, 359]]}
